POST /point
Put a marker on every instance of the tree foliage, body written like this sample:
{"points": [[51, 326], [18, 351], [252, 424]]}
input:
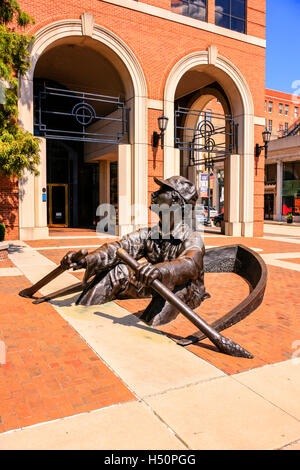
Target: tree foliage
{"points": [[19, 150]]}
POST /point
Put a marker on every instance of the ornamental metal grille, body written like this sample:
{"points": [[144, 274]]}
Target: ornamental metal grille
{"points": [[213, 136], [73, 115]]}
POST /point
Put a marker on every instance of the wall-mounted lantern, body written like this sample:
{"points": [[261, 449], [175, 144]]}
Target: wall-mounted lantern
{"points": [[162, 125], [266, 135]]}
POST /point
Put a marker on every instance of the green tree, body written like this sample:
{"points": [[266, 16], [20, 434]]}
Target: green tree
{"points": [[19, 150]]}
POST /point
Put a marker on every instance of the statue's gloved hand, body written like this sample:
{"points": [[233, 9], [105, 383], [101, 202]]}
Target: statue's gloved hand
{"points": [[146, 273], [67, 263], [167, 274]]}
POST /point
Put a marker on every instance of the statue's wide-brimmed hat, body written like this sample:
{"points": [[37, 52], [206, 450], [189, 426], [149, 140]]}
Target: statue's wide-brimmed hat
{"points": [[185, 188]]}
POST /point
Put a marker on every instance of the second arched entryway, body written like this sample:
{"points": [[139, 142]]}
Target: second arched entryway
{"points": [[188, 77]]}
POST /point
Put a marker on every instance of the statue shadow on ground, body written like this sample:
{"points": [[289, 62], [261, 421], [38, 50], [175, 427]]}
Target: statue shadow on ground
{"points": [[132, 320], [128, 320], [200, 345], [13, 248]]}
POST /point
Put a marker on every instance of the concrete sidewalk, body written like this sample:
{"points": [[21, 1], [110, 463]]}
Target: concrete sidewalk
{"points": [[98, 378]]}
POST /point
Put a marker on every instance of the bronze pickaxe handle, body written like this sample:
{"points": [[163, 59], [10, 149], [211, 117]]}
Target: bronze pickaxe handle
{"points": [[225, 345], [30, 291]]}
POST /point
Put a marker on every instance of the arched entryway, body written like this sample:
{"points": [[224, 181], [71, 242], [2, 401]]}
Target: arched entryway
{"points": [[95, 89], [196, 80], [205, 135]]}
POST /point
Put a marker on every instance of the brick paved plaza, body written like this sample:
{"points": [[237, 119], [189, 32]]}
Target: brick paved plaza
{"points": [[65, 361]]}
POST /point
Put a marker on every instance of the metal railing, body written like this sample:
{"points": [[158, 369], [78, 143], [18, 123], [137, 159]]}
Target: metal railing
{"points": [[73, 115], [214, 135]]}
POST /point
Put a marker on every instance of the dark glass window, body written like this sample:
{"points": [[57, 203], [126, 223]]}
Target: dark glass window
{"points": [[193, 8], [270, 106], [231, 14], [270, 173], [270, 125]]}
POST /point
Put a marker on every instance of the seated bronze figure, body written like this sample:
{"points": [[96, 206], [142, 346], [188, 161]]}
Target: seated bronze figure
{"points": [[173, 273], [175, 258]]}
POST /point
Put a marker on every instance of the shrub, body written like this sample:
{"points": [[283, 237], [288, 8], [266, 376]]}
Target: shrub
{"points": [[19, 150], [2, 232]]}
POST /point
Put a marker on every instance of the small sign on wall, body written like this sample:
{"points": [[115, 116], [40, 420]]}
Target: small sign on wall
{"points": [[203, 185]]}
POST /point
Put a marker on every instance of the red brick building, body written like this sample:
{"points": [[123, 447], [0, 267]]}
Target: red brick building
{"points": [[281, 112], [282, 169], [102, 72]]}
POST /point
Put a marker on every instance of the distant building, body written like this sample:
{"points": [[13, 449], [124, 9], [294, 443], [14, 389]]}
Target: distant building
{"points": [[282, 113], [282, 169], [282, 179]]}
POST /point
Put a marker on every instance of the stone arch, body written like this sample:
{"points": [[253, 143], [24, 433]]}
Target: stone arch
{"points": [[33, 223], [242, 108]]}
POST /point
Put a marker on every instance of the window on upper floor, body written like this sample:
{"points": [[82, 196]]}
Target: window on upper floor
{"points": [[270, 125], [286, 109], [193, 8], [296, 111], [270, 106], [280, 108], [231, 14], [270, 173]]}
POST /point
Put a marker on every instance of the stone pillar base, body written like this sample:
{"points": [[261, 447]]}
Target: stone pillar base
{"points": [[232, 196], [125, 189], [34, 233], [247, 229], [233, 229]]}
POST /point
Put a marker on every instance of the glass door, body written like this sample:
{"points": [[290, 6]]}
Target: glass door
{"points": [[58, 213]]}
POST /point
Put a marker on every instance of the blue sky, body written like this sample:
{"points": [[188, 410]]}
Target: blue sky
{"points": [[283, 45]]}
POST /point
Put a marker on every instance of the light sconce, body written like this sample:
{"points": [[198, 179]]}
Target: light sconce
{"points": [[162, 124], [266, 135]]}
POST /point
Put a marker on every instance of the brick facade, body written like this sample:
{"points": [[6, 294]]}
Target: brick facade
{"points": [[283, 110], [9, 203], [159, 43]]}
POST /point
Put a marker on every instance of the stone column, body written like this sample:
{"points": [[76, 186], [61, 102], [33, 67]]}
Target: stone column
{"points": [[232, 196], [278, 214], [139, 160], [40, 198], [32, 209], [125, 190]]}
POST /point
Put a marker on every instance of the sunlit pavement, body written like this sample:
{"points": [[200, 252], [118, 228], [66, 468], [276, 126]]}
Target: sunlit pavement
{"points": [[98, 378]]}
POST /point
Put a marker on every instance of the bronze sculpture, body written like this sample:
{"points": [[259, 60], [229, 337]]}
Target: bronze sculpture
{"points": [[175, 258], [173, 274]]}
